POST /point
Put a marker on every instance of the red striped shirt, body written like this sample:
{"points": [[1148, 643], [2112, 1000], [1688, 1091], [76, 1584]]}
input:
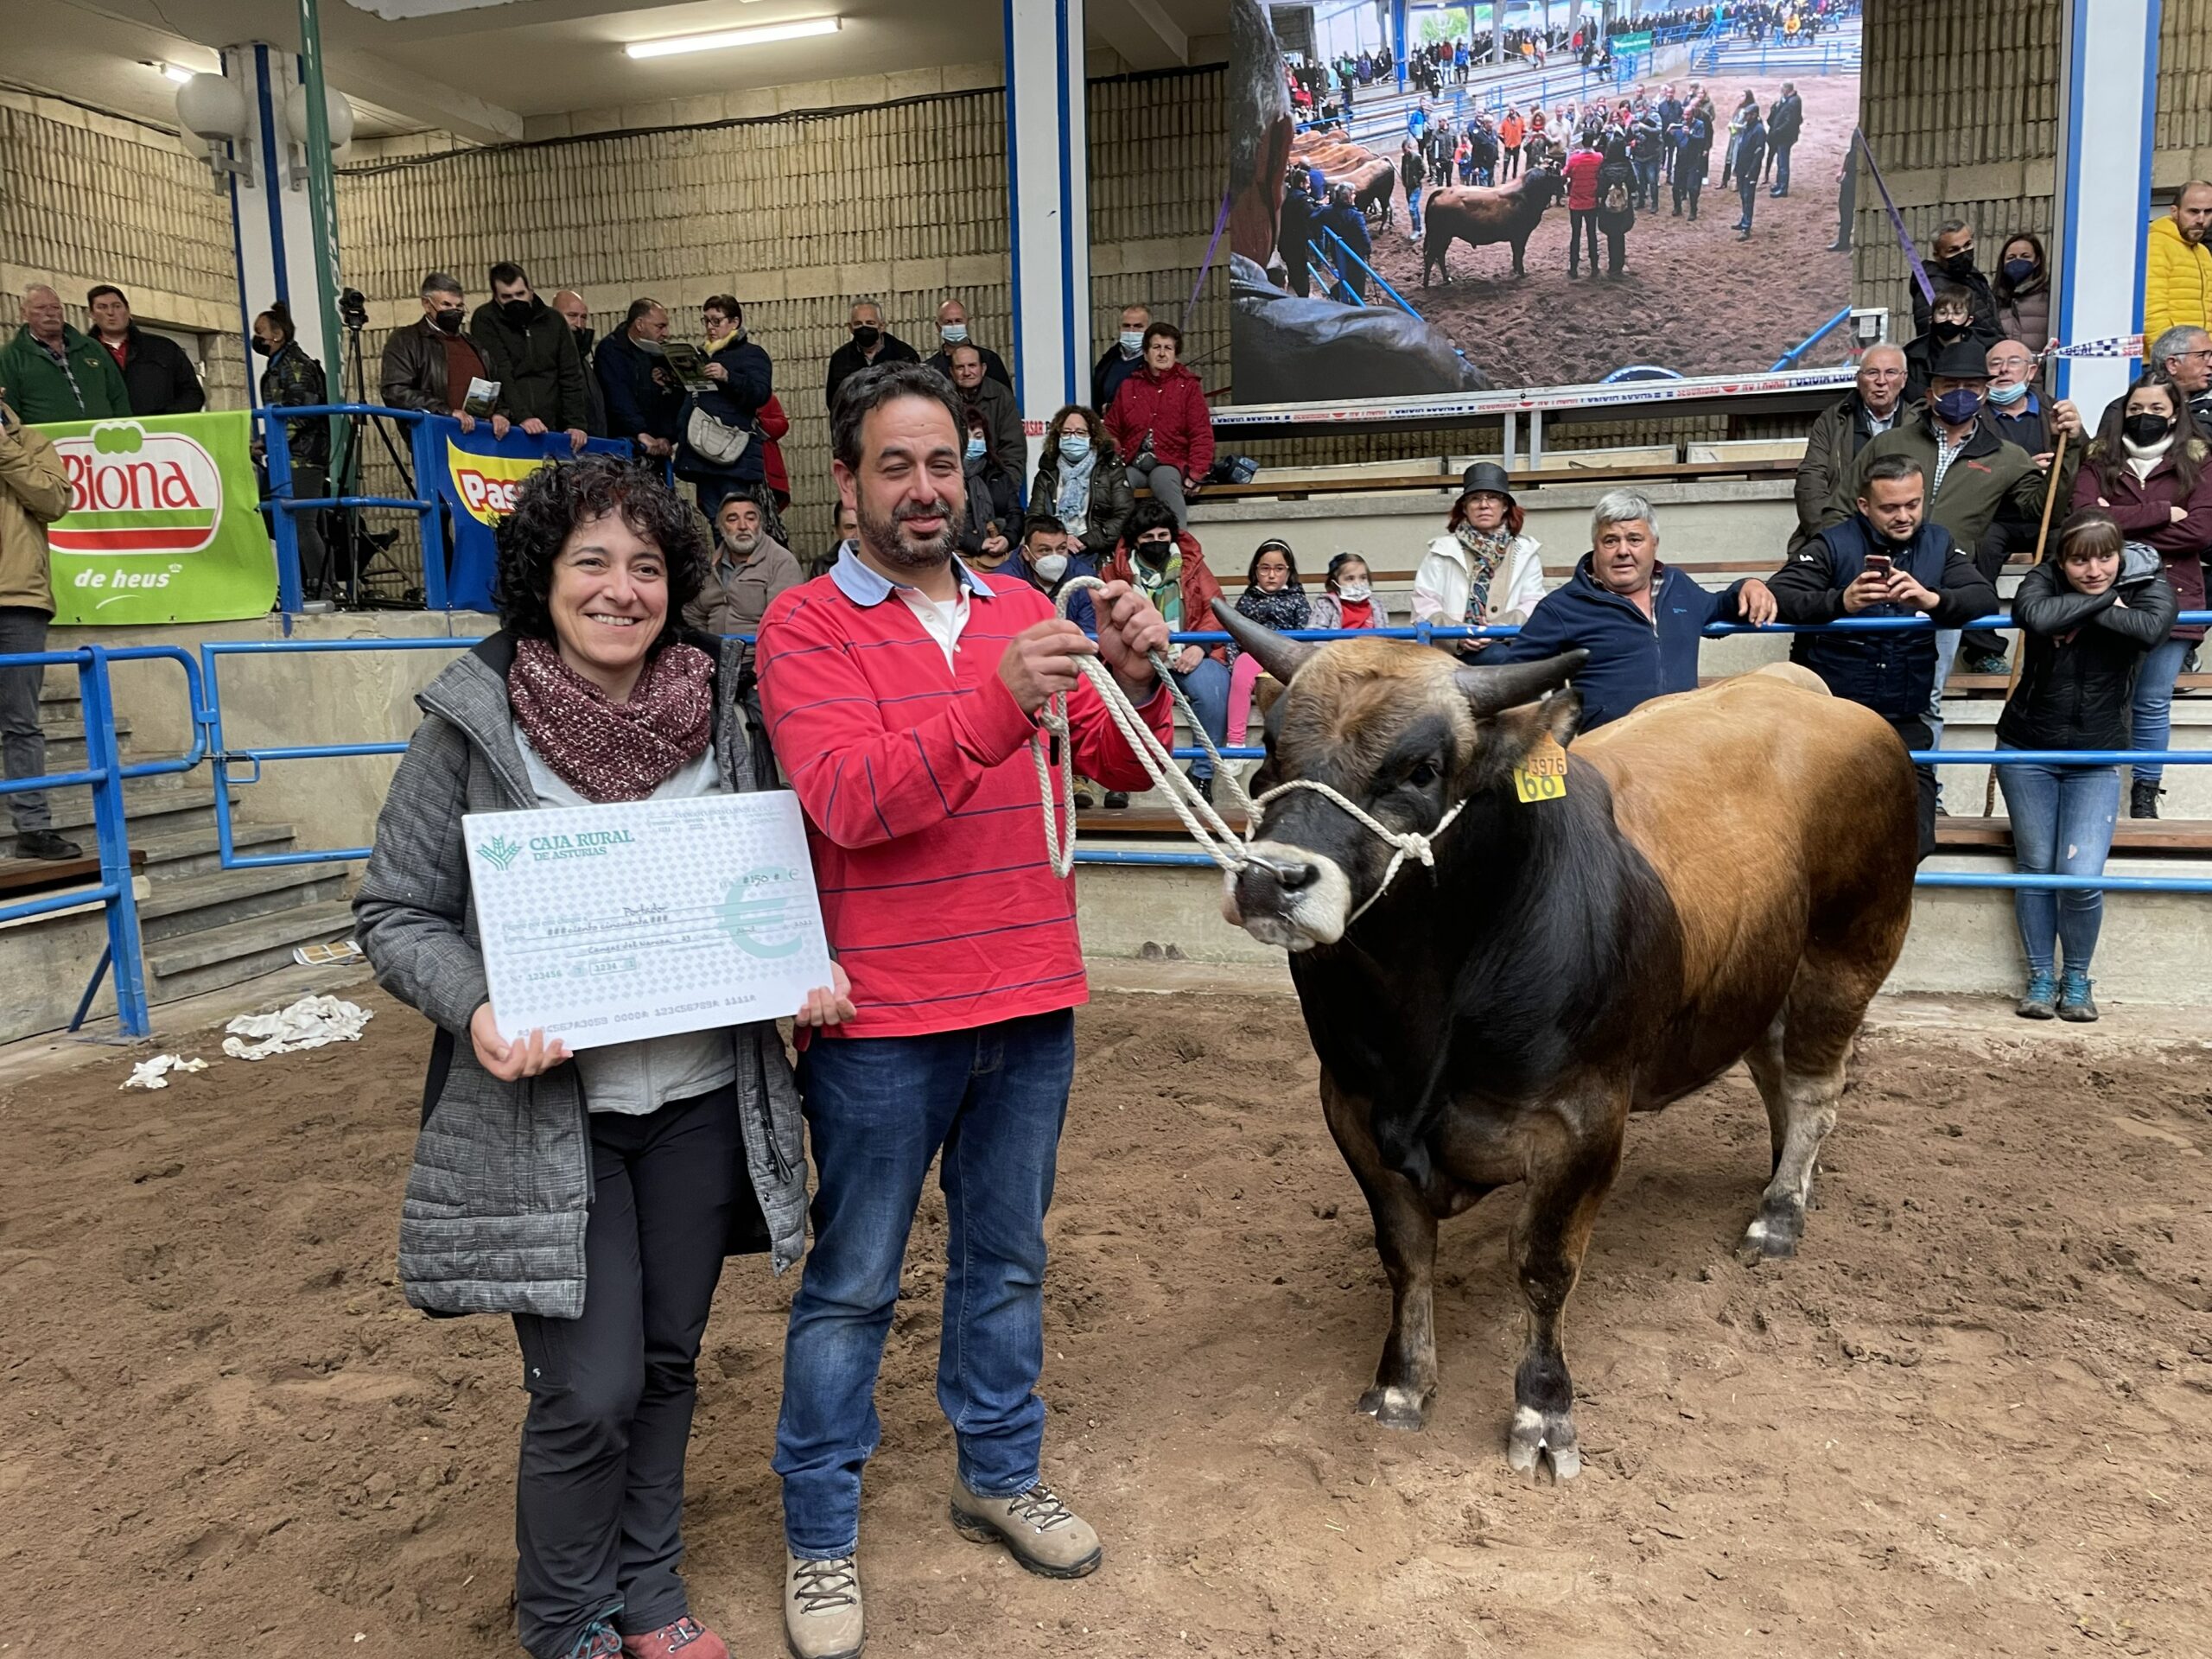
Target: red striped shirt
{"points": [[921, 800]]}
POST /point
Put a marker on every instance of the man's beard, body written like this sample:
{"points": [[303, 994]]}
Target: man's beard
{"points": [[888, 538], [745, 549]]}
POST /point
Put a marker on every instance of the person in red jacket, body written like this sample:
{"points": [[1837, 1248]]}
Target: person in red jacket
{"points": [[901, 692], [1168, 566], [1160, 418], [1582, 202], [774, 425]]}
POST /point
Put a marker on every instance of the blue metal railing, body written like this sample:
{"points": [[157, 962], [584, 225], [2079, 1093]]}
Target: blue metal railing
{"points": [[1373, 275], [273, 418], [1790, 359]]}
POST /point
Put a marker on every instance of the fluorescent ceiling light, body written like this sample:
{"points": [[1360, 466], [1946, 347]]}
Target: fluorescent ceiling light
{"points": [[175, 72], [669, 46]]}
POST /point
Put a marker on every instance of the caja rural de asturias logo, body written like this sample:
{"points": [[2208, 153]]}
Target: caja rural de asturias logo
{"points": [[132, 491]]}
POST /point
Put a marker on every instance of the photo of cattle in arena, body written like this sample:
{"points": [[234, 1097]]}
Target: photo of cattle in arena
{"points": [[1672, 208]]}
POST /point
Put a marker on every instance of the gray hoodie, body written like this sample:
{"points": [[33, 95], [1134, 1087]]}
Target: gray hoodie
{"points": [[500, 1189]]}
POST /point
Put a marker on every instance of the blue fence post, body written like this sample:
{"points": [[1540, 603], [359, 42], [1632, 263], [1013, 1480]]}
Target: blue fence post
{"points": [[430, 460], [276, 446], [103, 755]]}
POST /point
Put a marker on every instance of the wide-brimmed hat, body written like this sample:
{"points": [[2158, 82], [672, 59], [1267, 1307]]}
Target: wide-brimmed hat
{"points": [[1487, 475], [1962, 359]]}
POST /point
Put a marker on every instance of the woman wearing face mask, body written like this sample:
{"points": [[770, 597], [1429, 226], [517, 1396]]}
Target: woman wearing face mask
{"points": [[1168, 566], [1349, 600], [1481, 572], [1082, 482], [1274, 597], [2023, 290], [2088, 616], [1161, 422], [2148, 469], [994, 508], [294, 378]]}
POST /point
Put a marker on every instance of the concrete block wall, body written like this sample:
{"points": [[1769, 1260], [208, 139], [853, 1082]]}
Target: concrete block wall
{"points": [[88, 198]]}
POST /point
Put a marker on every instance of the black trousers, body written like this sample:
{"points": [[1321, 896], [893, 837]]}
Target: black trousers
{"points": [[598, 1494], [2004, 537], [1914, 735], [1576, 219]]}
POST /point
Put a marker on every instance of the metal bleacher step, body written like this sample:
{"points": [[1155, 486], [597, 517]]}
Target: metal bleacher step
{"points": [[213, 958], [181, 907]]}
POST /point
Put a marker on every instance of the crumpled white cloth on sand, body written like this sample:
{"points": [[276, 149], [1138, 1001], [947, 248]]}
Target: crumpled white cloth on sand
{"points": [[154, 1073], [309, 1023]]}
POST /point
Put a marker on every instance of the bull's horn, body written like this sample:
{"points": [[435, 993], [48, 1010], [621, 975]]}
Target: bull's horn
{"points": [[1490, 690], [1280, 657]]}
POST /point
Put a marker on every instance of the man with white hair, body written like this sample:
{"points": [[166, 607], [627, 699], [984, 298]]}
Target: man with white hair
{"points": [[53, 372], [1842, 429], [951, 331], [1640, 621], [2183, 355]]}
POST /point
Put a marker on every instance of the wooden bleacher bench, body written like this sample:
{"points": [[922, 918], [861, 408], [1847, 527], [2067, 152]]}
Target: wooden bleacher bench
{"points": [[27, 878]]}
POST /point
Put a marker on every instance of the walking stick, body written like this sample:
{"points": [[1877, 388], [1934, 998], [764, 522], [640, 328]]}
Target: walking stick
{"points": [[2020, 649]]}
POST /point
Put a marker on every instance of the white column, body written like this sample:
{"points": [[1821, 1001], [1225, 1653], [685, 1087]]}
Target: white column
{"points": [[1049, 196], [2107, 83], [275, 232]]}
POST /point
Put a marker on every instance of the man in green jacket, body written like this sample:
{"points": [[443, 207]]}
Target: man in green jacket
{"points": [[54, 373]]}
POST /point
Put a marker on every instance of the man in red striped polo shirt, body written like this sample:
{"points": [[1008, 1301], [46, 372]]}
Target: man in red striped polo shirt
{"points": [[901, 691]]}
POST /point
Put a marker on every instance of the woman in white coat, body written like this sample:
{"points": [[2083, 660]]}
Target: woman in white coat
{"points": [[1481, 572]]}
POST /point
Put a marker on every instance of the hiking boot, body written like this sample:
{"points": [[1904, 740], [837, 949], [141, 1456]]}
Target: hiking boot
{"points": [[1987, 662], [2041, 1000], [2142, 798], [1116, 799], [686, 1636], [1044, 1534], [44, 843], [822, 1608], [2074, 1002]]}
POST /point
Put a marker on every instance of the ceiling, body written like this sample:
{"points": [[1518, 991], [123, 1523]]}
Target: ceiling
{"points": [[479, 69]]}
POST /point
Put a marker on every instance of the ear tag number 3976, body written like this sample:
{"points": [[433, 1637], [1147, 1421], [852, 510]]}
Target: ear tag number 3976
{"points": [[1541, 775]]}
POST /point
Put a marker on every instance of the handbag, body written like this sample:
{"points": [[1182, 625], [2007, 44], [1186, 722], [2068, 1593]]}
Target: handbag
{"points": [[715, 441]]}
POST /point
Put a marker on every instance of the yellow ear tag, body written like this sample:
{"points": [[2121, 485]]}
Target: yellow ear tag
{"points": [[1541, 775]]}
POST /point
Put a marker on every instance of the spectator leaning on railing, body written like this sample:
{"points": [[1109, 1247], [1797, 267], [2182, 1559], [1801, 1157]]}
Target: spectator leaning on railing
{"points": [[530, 349], [33, 493], [428, 363], [2088, 615]]}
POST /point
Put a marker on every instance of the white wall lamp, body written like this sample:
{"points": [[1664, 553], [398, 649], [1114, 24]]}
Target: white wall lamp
{"points": [[340, 114], [212, 109]]}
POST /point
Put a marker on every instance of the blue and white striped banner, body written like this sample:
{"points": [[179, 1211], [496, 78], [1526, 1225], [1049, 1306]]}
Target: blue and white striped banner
{"points": [[2110, 346]]}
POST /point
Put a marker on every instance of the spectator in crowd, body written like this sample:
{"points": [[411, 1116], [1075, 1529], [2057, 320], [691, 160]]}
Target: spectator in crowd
{"points": [[1647, 150], [1693, 144], [1351, 250], [964, 1033], [54, 373], [2147, 468], [2022, 289], [1950, 320], [2183, 355], [746, 570], [1123, 357], [430, 364], [1640, 622], [727, 414], [157, 376], [870, 344], [2089, 618], [1669, 109], [1481, 572], [644, 401], [1483, 149], [844, 534], [1001, 417], [1582, 169], [1159, 420], [1412, 173], [1166, 566], [292, 379], [1785, 125], [994, 495], [2020, 415], [1750, 155], [775, 426], [1870, 409], [574, 311], [951, 331], [33, 493], [1274, 596], [531, 351], [1295, 234], [1051, 559], [1348, 599], [1889, 558], [1082, 482], [1511, 132], [2177, 265], [1617, 198], [1952, 262], [1745, 112], [1846, 199], [591, 1195]]}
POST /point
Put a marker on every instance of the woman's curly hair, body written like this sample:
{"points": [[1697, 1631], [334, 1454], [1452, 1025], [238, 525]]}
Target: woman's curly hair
{"points": [[554, 501]]}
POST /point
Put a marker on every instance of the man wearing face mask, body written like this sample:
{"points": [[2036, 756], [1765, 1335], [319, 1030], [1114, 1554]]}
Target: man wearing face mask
{"points": [[532, 353], [295, 380], [2019, 414], [574, 311], [869, 343], [1122, 359], [428, 365], [1952, 261], [951, 331]]}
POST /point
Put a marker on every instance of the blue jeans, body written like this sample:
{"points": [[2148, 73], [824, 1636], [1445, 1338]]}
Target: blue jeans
{"points": [[2055, 808], [878, 1109], [1780, 160], [1747, 192], [1207, 687], [1413, 208], [2150, 718], [1647, 184]]}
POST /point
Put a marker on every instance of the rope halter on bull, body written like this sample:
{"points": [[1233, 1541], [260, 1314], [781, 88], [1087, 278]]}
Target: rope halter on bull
{"points": [[1488, 688]]}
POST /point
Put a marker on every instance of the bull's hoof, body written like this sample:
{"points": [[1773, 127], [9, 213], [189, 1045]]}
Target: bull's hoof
{"points": [[1543, 1443], [1396, 1408], [1774, 1234]]}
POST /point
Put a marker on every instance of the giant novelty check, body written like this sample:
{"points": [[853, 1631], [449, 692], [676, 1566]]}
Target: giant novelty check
{"points": [[607, 924]]}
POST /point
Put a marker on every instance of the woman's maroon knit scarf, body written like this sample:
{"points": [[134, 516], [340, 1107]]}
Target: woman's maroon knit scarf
{"points": [[610, 751]]}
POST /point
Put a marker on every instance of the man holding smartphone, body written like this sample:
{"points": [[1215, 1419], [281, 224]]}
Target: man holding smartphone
{"points": [[1887, 559]]}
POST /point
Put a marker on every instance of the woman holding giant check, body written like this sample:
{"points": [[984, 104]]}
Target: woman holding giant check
{"points": [[591, 1195]]}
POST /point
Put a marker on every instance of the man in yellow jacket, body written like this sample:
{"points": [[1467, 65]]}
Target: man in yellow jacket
{"points": [[2177, 266], [33, 493]]}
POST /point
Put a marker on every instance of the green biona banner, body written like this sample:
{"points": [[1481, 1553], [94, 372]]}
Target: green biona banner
{"points": [[163, 522]]}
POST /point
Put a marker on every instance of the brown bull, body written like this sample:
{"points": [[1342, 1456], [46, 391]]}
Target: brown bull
{"points": [[1479, 217], [1371, 177], [1727, 875]]}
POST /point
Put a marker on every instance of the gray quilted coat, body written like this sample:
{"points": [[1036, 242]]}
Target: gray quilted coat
{"points": [[501, 1186]]}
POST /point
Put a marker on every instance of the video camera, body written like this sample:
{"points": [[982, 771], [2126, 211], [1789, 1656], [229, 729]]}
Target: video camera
{"points": [[354, 308]]}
